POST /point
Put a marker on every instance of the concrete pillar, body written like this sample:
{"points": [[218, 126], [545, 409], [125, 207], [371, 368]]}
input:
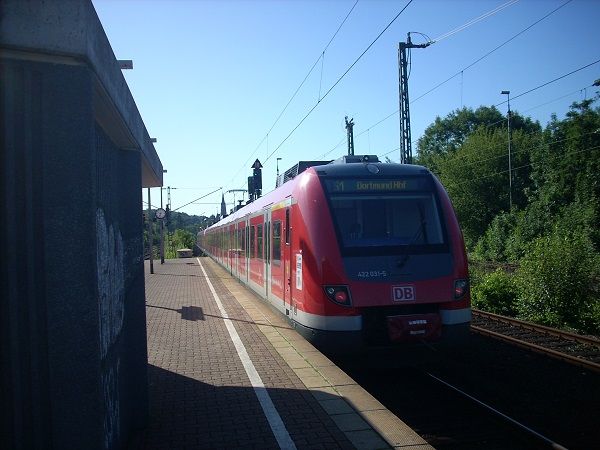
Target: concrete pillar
{"points": [[75, 155]]}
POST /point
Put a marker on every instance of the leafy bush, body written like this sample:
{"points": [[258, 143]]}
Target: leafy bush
{"points": [[581, 217], [509, 236], [495, 292], [492, 245], [530, 223], [178, 240], [557, 282]]}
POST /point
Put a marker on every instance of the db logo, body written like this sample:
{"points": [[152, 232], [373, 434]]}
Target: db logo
{"points": [[403, 293]]}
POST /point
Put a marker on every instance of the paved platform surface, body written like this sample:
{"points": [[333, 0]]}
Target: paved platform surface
{"points": [[226, 371]]}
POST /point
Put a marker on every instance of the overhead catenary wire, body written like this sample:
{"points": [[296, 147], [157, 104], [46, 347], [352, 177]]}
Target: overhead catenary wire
{"points": [[550, 82], [460, 72], [558, 98], [505, 141], [474, 21], [515, 152], [540, 105], [335, 147], [321, 56], [195, 188], [417, 140], [492, 51], [471, 180], [151, 206], [487, 126], [195, 200], [431, 90], [435, 87], [329, 43], [338, 81]]}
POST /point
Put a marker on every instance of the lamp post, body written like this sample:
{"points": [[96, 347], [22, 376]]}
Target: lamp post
{"points": [[150, 234], [162, 228], [167, 217], [507, 93]]}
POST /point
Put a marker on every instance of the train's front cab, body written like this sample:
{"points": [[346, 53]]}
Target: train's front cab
{"points": [[384, 256]]}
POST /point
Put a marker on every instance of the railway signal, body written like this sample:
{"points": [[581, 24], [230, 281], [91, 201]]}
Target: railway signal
{"points": [[255, 181], [350, 131]]}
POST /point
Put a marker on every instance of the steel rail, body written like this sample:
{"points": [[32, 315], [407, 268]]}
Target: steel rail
{"points": [[586, 340], [549, 441], [590, 365]]}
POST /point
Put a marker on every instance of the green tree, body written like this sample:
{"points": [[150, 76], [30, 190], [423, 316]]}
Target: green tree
{"points": [[566, 169], [476, 177], [445, 136], [551, 233], [184, 239], [563, 192]]}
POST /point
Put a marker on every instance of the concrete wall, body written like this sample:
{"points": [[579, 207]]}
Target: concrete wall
{"points": [[73, 161]]}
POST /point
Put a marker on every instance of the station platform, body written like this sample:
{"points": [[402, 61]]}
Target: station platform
{"points": [[226, 371]]}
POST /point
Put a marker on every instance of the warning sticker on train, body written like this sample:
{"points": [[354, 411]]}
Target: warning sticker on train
{"points": [[298, 271], [403, 293]]}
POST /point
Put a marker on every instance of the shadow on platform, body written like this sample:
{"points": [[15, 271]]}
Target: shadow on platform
{"points": [[188, 413], [194, 313]]}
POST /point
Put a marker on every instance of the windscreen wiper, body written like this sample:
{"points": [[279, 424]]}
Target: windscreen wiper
{"points": [[420, 231]]}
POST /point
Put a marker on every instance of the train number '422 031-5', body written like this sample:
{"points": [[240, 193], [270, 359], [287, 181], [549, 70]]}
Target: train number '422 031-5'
{"points": [[372, 274]]}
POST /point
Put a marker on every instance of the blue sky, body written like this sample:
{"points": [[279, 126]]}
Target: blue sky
{"points": [[210, 78]]}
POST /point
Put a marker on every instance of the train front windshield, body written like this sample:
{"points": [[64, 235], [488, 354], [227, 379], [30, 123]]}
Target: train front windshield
{"points": [[385, 216]]}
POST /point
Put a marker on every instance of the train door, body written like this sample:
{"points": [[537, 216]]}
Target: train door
{"points": [[222, 234], [230, 247], [247, 249], [238, 252], [267, 240], [287, 261], [234, 247], [241, 261], [256, 254]]}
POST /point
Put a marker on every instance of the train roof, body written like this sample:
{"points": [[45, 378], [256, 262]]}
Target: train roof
{"points": [[346, 166], [368, 169]]}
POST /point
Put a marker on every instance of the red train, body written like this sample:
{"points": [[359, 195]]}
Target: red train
{"points": [[355, 253]]}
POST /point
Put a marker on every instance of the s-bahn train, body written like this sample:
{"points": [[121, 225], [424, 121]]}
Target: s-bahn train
{"points": [[356, 253]]}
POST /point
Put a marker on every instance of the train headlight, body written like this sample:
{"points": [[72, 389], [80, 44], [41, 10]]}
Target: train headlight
{"points": [[339, 295], [460, 288]]}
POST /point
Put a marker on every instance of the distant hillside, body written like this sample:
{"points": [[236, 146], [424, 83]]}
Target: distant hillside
{"points": [[183, 221]]}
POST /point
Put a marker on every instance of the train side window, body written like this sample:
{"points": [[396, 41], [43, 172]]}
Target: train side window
{"points": [[259, 241], [276, 243], [287, 226], [243, 241], [252, 242]]}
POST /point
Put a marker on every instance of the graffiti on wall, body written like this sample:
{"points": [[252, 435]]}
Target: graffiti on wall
{"points": [[111, 284], [111, 298], [110, 390]]}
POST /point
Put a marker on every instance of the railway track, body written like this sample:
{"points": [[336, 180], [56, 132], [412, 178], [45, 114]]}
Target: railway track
{"points": [[583, 351], [487, 393], [444, 417]]}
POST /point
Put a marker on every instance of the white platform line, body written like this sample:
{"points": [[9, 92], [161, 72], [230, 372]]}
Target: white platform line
{"points": [[277, 426]]}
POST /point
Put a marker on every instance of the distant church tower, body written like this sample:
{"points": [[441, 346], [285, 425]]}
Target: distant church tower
{"points": [[223, 207]]}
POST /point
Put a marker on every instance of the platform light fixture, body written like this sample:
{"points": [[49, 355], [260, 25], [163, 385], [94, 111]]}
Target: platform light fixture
{"points": [[125, 64]]}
